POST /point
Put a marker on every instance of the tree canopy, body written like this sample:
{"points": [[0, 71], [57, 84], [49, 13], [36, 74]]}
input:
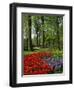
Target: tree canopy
{"points": [[42, 31]]}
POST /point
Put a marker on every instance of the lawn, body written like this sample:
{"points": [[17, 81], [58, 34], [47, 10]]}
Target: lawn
{"points": [[56, 52], [36, 50]]}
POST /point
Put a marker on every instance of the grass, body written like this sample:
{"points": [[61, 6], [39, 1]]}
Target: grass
{"points": [[36, 50], [56, 52]]}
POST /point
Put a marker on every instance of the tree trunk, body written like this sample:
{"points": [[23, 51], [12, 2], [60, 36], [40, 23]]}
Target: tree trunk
{"points": [[42, 18], [43, 38], [29, 34], [58, 37], [27, 43], [37, 37]]}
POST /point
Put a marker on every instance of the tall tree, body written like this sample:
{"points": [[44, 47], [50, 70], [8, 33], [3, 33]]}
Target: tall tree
{"points": [[43, 37], [29, 34], [58, 22], [37, 24], [25, 30]]}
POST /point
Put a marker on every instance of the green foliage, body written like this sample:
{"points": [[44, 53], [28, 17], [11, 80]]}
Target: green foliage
{"points": [[43, 32], [57, 53]]}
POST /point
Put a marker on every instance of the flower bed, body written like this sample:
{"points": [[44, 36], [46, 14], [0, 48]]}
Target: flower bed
{"points": [[34, 64], [42, 63]]}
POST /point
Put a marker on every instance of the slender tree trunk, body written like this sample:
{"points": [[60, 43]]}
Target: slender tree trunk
{"points": [[42, 18], [29, 34], [58, 37], [37, 37], [43, 38], [27, 43]]}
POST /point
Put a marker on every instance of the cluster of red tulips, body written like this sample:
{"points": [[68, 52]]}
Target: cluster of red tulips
{"points": [[33, 64]]}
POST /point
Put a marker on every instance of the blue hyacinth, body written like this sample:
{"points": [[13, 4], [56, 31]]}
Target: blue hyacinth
{"points": [[56, 63]]}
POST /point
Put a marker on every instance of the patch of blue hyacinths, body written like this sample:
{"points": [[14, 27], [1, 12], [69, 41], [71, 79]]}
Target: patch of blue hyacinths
{"points": [[56, 63]]}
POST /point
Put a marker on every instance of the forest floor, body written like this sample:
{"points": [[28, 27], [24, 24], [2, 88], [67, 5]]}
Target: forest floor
{"points": [[56, 52], [36, 50]]}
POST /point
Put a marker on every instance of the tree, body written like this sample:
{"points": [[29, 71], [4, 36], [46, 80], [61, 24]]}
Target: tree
{"points": [[29, 34], [25, 31], [43, 37], [37, 24], [58, 29], [43, 31]]}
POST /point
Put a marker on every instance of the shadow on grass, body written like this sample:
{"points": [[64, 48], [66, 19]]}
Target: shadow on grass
{"points": [[27, 52]]}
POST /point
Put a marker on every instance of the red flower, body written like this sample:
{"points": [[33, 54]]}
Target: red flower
{"points": [[33, 64]]}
